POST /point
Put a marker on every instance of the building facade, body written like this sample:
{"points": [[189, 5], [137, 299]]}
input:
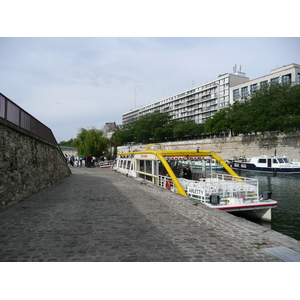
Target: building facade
{"points": [[289, 74], [109, 128], [197, 103], [201, 102]]}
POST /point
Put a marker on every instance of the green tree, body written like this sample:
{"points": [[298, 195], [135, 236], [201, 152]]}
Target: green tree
{"points": [[187, 129], [69, 143], [151, 127], [220, 122], [124, 135], [239, 118], [91, 141], [165, 133], [276, 108]]}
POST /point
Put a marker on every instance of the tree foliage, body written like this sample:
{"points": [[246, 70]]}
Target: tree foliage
{"points": [[69, 143], [273, 108], [91, 141], [157, 127], [152, 127]]}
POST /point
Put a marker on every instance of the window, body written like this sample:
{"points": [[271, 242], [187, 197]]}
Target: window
{"points": [[236, 94], [298, 78], [262, 160], [253, 88], [264, 84], [287, 79], [275, 80], [245, 92]]}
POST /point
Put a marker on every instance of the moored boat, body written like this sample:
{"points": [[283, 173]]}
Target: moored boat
{"points": [[105, 164], [199, 162], [228, 192], [266, 164]]}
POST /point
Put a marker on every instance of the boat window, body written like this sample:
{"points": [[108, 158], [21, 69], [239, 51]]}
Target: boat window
{"points": [[281, 161], [125, 163], [141, 165], [145, 166], [175, 165], [285, 160], [149, 166], [262, 160], [275, 161]]}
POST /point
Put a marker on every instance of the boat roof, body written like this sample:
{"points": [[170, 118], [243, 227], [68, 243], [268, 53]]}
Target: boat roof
{"points": [[159, 151], [160, 148]]}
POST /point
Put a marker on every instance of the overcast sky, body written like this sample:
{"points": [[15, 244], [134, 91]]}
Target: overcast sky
{"points": [[69, 83], [131, 53]]}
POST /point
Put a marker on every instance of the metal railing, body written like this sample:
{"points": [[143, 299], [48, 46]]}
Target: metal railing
{"points": [[18, 116]]}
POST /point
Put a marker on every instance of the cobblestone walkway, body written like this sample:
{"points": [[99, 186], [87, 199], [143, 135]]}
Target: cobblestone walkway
{"points": [[100, 215]]}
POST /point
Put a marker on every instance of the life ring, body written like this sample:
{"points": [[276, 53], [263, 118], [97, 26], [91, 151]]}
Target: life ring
{"points": [[168, 185]]}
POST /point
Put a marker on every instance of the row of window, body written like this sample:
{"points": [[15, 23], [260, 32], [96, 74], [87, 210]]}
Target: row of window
{"points": [[286, 79], [205, 93]]}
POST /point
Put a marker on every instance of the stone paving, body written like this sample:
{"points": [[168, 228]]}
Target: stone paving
{"points": [[98, 215]]}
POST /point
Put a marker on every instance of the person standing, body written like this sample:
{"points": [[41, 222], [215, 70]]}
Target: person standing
{"points": [[72, 159], [187, 174]]}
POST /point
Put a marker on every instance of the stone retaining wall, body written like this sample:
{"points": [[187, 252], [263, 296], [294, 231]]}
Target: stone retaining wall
{"points": [[240, 146], [28, 164]]}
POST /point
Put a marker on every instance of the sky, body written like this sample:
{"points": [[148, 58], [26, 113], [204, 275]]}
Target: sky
{"points": [[75, 64], [68, 80]]}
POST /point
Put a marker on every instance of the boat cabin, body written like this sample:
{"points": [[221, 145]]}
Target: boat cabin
{"points": [[269, 161]]}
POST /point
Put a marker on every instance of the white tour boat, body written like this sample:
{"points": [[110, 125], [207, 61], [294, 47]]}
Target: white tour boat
{"points": [[228, 192]]}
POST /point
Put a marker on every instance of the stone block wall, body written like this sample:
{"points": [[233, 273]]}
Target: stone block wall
{"points": [[239, 146], [28, 164]]}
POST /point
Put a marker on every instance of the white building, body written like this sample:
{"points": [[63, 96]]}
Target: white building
{"points": [[197, 103], [286, 74], [109, 128], [201, 102]]}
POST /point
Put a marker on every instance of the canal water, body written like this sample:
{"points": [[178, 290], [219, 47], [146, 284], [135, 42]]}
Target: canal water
{"points": [[286, 190]]}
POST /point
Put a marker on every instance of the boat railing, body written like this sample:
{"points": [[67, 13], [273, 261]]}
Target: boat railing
{"points": [[105, 163], [166, 182], [225, 186]]}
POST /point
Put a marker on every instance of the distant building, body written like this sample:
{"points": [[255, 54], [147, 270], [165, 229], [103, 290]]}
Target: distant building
{"points": [[286, 74], [201, 102], [197, 103], [109, 128]]}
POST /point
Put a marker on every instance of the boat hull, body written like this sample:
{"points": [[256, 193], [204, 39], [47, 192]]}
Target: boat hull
{"points": [[253, 211]]}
